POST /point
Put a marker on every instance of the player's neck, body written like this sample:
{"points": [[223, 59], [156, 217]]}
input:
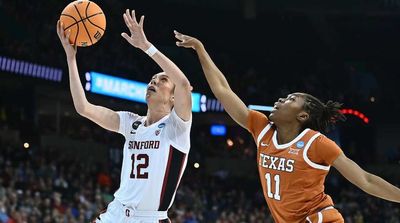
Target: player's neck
{"points": [[154, 116], [286, 134]]}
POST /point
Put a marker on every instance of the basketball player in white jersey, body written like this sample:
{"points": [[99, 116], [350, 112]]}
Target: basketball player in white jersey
{"points": [[156, 147]]}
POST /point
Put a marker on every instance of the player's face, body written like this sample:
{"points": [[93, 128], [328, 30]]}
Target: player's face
{"points": [[287, 110], [160, 89]]}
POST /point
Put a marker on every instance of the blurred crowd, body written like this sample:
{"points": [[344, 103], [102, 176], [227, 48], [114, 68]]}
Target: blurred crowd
{"points": [[39, 185]]}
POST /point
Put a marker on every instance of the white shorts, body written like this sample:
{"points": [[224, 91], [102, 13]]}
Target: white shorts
{"points": [[119, 213]]}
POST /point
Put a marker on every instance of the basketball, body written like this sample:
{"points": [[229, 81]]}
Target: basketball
{"points": [[86, 21]]}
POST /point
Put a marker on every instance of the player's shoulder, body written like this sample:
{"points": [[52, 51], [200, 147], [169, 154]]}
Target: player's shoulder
{"points": [[130, 117], [257, 114], [320, 138]]}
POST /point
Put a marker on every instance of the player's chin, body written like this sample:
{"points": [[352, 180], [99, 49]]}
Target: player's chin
{"points": [[149, 97], [271, 116]]}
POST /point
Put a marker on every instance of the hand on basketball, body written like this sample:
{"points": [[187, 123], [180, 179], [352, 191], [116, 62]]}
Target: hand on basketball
{"points": [[137, 38], [187, 41], [70, 49]]}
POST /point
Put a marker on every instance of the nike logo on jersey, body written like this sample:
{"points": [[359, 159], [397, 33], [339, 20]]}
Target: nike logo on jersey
{"points": [[135, 126], [264, 144]]}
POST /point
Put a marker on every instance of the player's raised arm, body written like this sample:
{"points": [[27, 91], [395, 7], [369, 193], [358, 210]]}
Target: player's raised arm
{"points": [[216, 79], [102, 116], [367, 182], [137, 38]]}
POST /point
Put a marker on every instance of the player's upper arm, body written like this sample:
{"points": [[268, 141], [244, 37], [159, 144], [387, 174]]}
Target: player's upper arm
{"points": [[183, 100], [102, 116], [350, 170], [234, 106]]}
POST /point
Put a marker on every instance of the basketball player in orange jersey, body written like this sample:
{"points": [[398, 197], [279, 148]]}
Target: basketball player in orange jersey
{"points": [[156, 145], [293, 156]]}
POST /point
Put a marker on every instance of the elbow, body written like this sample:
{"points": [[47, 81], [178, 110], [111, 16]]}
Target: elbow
{"points": [[80, 109], [218, 91], [185, 84], [367, 182]]}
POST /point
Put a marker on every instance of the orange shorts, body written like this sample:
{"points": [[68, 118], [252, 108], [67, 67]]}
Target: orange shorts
{"points": [[326, 215]]}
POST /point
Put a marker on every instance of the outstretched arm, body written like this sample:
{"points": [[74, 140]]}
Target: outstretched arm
{"points": [[217, 81], [367, 182], [182, 93], [102, 116]]}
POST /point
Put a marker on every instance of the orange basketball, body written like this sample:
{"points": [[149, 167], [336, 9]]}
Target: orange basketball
{"points": [[86, 21]]}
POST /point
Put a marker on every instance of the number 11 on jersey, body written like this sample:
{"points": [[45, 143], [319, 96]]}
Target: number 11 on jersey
{"points": [[275, 195]]}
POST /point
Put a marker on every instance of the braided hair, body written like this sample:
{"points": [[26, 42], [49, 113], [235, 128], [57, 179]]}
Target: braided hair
{"points": [[323, 117]]}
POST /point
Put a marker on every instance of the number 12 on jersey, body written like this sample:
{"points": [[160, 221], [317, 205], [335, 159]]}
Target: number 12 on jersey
{"points": [[277, 180], [139, 174]]}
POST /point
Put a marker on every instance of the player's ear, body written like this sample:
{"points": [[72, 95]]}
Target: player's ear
{"points": [[303, 116]]}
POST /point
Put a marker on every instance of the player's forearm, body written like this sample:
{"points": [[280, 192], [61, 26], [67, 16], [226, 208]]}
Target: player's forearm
{"points": [[77, 92], [214, 76], [170, 68], [380, 188]]}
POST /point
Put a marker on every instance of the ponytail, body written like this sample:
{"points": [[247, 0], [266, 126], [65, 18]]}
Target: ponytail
{"points": [[323, 117]]}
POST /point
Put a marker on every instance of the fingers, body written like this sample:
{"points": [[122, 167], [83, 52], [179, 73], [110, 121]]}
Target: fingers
{"points": [[130, 19], [178, 35], [63, 35], [68, 34], [126, 37], [141, 21], [128, 15], [180, 44], [127, 23], [181, 37], [134, 17], [60, 30]]}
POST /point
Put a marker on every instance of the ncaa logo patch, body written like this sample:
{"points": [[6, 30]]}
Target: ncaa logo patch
{"points": [[300, 144]]}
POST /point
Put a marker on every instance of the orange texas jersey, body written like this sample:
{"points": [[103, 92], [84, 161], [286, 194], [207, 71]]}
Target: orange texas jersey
{"points": [[292, 174]]}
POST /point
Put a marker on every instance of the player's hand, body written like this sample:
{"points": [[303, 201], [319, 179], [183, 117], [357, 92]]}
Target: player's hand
{"points": [[187, 41], [70, 50], [137, 38]]}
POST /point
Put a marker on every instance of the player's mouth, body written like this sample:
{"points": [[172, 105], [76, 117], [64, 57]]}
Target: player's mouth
{"points": [[276, 107], [151, 88]]}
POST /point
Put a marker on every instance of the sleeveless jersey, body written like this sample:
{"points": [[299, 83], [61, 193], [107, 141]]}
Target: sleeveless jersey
{"points": [[154, 159], [292, 175]]}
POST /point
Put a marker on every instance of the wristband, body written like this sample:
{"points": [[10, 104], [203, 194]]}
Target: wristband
{"points": [[151, 51]]}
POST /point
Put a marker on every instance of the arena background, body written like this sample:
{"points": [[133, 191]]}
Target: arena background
{"points": [[339, 50]]}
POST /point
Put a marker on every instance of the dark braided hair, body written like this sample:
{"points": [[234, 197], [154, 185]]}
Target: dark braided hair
{"points": [[323, 117]]}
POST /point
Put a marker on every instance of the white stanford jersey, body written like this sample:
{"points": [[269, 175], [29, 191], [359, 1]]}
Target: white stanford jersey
{"points": [[154, 160]]}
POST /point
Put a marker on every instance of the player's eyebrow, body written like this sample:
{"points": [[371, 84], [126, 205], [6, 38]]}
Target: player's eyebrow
{"points": [[164, 75]]}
